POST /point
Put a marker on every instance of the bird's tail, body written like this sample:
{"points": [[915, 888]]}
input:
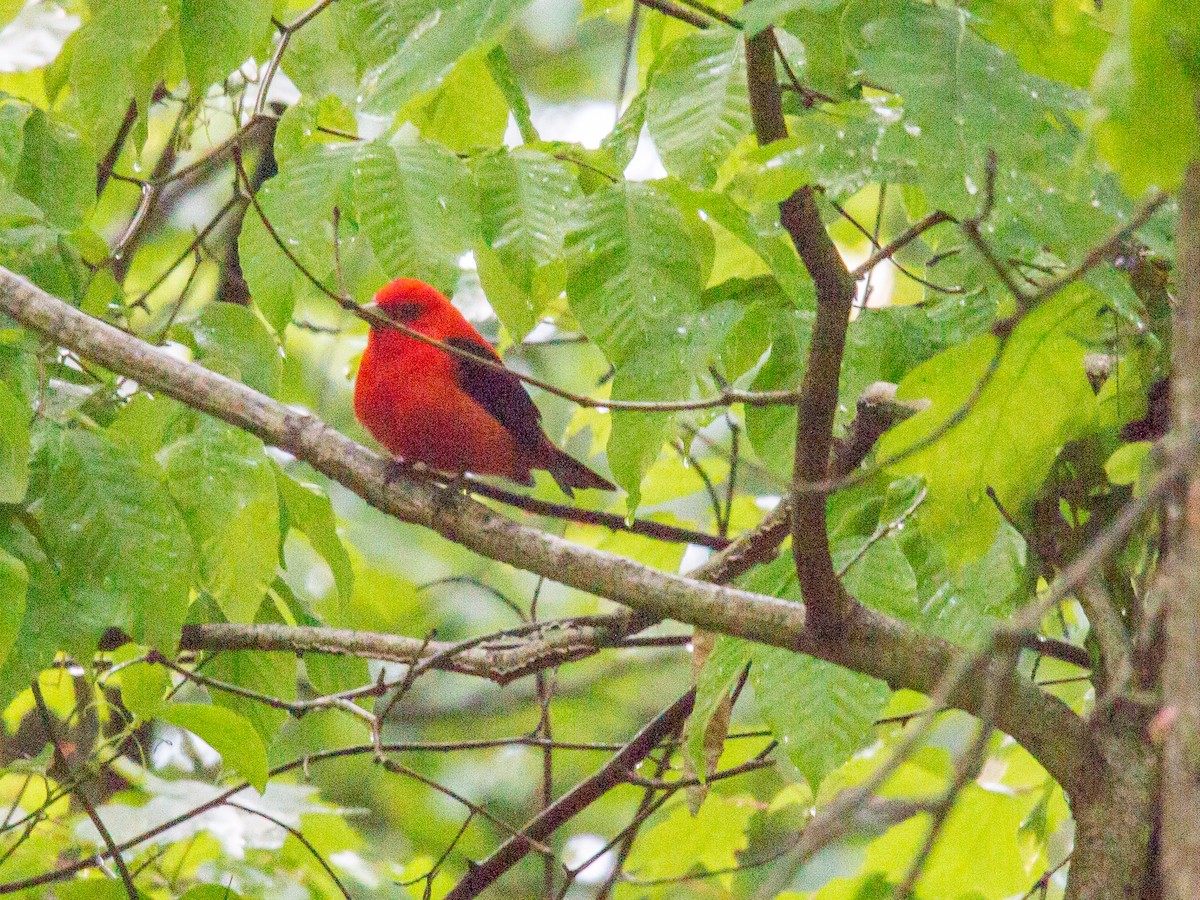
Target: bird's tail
{"points": [[569, 473]]}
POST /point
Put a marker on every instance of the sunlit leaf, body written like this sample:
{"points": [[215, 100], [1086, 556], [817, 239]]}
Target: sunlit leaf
{"points": [[227, 733], [418, 43], [121, 545], [418, 208], [1146, 87], [224, 483], [14, 446], [697, 105], [14, 586], [217, 36], [1038, 399]]}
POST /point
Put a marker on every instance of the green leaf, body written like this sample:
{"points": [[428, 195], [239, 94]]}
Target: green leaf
{"points": [[772, 429], [820, 712], [144, 689], [1145, 88], [41, 254], [217, 36], [14, 446], [431, 36], [937, 64], [505, 77], [881, 577], [718, 677], [467, 111], [233, 341], [1128, 463], [226, 732], [418, 208], [121, 546], [698, 106], [763, 13], [681, 843], [107, 53], [14, 587], [56, 172], [636, 273], [272, 674], [308, 510], [1038, 399], [843, 147], [322, 56], [13, 116], [211, 891], [298, 203], [9, 10], [95, 889], [301, 123], [1062, 41], [225, 485], [525, 200]]}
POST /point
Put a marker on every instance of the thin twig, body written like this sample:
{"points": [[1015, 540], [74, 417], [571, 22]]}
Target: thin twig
{"points": [[60, 759], [299, 836]]}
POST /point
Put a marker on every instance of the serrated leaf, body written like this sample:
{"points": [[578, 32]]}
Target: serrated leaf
{"points": [[224, 483], [310, 512], [525, 202], [963, 97], [1038, 399], [217, 36], [121, 545], [232, 340], [820, 712], [299, 203], [226, 732], [56, 171], [697, 105], [107, 53], [431, 36], [418, 208], [14, 446], [636, 272]]}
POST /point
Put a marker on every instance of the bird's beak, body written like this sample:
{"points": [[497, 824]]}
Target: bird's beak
{"points": [[370, 306]]}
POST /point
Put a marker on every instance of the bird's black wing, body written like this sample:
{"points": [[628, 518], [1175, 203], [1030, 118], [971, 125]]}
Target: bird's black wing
{"points": [[499, 392]]}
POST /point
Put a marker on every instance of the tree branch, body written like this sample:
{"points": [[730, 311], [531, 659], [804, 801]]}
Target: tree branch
{"points": [[579, 798], [827, 601], [871, 643]]}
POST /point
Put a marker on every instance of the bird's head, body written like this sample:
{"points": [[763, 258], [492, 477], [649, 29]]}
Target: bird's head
{"points": [[409, 300]]}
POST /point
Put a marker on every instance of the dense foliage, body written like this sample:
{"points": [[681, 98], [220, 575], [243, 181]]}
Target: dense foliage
{"points": [[211, 176]]}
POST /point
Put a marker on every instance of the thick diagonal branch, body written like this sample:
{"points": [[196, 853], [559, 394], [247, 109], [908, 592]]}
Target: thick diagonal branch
{"points": [[871, 643]]}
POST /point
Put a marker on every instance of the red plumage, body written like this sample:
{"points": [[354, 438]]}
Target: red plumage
{"points": [[438, 408]]}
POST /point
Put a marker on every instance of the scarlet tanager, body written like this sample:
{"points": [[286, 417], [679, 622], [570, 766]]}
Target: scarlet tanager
{"points": [[427, 405]]}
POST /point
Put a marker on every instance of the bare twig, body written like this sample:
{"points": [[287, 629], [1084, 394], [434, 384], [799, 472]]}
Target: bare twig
{"points": [[60, 759]]}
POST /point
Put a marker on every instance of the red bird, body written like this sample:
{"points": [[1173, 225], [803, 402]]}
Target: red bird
{"points": [[441, 409]]}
